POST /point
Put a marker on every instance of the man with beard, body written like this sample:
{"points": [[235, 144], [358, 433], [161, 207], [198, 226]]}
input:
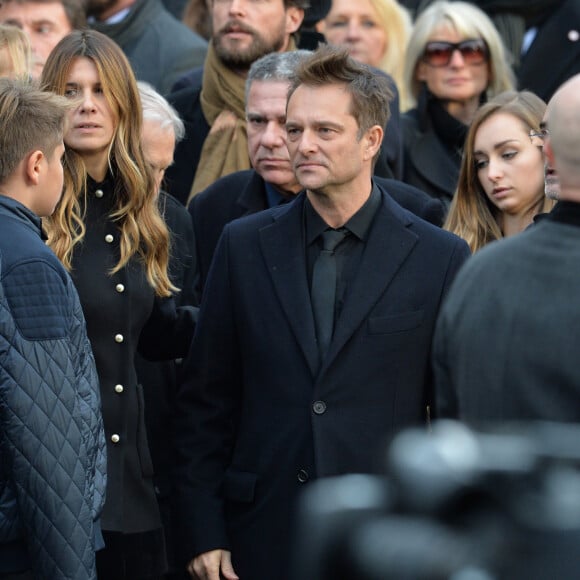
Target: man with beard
{"points": [[213, 108], [159, 47]]}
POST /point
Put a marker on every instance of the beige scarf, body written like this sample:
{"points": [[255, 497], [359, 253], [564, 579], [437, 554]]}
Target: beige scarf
{"points": [[225, 149]]}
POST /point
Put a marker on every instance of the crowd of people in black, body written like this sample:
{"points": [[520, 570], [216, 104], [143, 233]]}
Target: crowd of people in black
{"points": [[241, 251]]}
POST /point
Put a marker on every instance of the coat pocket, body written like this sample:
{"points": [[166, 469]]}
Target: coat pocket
{"points": [[239, 486], [395, 323]]}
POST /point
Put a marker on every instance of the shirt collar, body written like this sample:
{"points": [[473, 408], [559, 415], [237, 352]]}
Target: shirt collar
{"points": [[359, 224], [566, 212], [22, 212], [273, 196], [114, 19]]}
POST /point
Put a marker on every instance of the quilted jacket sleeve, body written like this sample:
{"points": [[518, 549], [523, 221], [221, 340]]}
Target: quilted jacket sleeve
{"points": [[51, 428]]}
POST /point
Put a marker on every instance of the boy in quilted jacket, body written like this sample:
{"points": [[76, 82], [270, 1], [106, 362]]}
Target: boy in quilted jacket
{"points": [[52, 448]]}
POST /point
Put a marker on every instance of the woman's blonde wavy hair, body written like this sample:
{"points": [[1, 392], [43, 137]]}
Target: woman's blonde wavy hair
{"points": [[143, 232]]}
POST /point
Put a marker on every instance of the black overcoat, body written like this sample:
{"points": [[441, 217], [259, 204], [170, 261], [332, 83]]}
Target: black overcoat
{"points": [[258, 417]]}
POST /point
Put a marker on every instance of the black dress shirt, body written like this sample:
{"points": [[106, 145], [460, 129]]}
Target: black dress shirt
{"points": [[349, 252]]}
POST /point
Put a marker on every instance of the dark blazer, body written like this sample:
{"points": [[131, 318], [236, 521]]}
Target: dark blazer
{"points": [[244, 192], [258, 417], [186, 101], [554, 55], [521, 294]]}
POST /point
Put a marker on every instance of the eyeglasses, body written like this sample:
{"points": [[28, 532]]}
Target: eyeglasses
{"points": [[543, 133], [439, 53]]}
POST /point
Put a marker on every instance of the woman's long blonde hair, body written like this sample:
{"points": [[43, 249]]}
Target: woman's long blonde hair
{"points": [[143, 232], [397, 24], [471, 215]]}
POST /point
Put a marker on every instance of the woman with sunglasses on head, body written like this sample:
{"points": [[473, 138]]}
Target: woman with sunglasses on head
{"points": [[455, 62], [501, 182], [108, 231]]}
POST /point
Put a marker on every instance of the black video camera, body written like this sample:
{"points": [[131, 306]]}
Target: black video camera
{"points": [[455, 504]]}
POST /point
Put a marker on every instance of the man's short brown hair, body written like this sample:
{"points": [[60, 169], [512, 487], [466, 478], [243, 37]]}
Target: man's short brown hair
{"points": [[369, 89]]}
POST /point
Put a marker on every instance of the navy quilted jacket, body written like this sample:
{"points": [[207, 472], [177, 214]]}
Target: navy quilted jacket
{"points": [[52, 447]]}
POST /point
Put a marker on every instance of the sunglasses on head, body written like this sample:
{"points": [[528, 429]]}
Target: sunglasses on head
{"points": [[439, 53]]}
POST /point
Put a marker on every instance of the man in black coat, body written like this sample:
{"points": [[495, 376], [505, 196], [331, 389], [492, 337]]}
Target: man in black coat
{"points": [[272, 180], [264, 408]]}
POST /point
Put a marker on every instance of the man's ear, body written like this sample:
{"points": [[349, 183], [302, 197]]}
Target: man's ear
{"points": [[294, 18], [373, 138], [34, 166]]}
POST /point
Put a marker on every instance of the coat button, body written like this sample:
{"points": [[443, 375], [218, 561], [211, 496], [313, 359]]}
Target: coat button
{"points": [[99, 193], [119, 338], [109, 239], [319, 407], [303, 476], [115, 438], [118, 388], [120, 288]]}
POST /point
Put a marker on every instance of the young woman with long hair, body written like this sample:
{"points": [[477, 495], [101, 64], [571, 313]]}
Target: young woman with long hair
{"points": [[108, 232], [501, 181]]}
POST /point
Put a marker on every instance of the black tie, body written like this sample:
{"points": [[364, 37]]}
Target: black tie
{"points": [[323, 294]]}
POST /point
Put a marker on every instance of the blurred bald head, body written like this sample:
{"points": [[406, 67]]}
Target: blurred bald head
{"points": [[563, 122]]}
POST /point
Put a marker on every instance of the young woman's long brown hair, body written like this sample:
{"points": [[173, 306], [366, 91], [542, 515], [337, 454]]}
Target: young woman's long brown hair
{"points": [[471, 215], [143, 232]]}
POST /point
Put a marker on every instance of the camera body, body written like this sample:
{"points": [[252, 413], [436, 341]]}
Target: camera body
{"points": [[455, 503]]}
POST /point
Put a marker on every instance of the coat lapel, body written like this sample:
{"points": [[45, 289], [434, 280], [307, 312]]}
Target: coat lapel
{"points": [[253, 196], [436, 168], [388, 245], [283, 250]]}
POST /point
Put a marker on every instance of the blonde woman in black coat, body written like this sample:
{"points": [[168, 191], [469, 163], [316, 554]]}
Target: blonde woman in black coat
{"points": [[455, 62], [108, 231]]}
